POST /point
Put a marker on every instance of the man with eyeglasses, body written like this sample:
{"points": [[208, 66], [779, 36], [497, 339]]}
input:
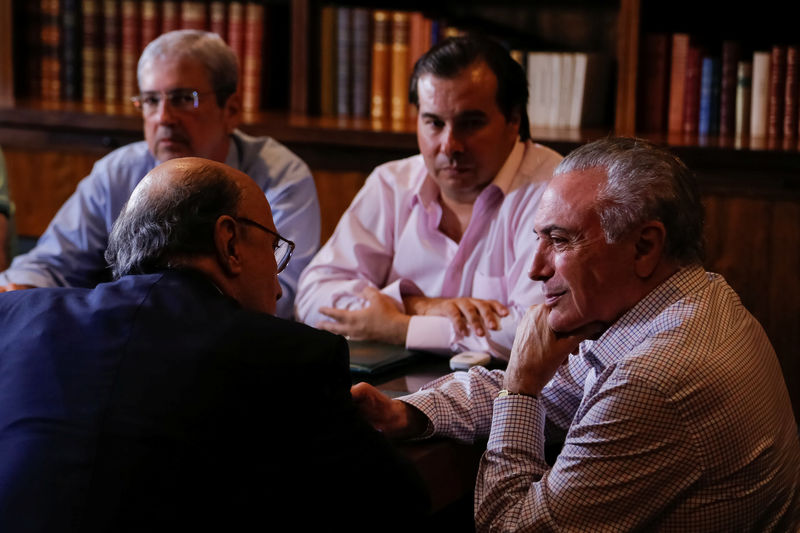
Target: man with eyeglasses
{"points": [[171, 400], [190, 107]]}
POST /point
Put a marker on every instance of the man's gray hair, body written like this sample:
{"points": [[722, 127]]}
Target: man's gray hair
{"points": [[207, 48], [167, 224], [644, 182]]}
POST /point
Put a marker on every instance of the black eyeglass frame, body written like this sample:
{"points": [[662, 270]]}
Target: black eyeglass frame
{"points": [[285, 260]]}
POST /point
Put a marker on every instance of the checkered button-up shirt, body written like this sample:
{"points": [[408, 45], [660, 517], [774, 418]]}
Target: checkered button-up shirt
{"points": [[677, 419]]}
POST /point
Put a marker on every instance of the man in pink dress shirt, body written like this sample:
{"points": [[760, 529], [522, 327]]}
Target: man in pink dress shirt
{"points": [[433, 251]]}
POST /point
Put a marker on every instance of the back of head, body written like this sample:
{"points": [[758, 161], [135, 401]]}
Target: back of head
{"points": [[645, 182], [166, 221], [204, 47], [452, 55]]}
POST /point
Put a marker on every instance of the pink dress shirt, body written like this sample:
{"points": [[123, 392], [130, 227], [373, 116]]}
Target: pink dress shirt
{"points": [[389, 238]]}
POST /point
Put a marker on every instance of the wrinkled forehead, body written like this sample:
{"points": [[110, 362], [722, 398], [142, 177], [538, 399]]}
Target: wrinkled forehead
{"points": [[570, 197]]}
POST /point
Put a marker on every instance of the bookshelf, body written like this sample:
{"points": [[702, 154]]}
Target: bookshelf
{"points": [[751, 187]]}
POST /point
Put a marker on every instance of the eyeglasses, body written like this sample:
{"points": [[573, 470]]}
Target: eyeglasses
{"points": [[282, 248], [179, 99]]}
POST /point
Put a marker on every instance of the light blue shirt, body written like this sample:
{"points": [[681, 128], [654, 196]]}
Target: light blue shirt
{"points": [[70, 252]]}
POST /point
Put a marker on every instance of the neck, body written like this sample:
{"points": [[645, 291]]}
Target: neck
{"points": [[455, 217]]}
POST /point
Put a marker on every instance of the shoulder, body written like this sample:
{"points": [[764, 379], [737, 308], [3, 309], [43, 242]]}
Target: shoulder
{"points": [[127, 164], [538, 162], [401, 174], [267, 161]]}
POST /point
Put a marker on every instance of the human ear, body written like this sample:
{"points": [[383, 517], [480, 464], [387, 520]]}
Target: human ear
{"points": [[226, 242], [650, 240], [233, 112]]}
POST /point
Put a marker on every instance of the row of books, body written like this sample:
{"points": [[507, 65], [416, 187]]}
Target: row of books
{"points": [[88, 50], [567, 89], [366, 57], [686, 87]]}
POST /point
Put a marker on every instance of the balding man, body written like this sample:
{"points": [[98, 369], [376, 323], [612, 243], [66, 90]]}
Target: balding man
{"points": [[170, 399], [190, 107]]}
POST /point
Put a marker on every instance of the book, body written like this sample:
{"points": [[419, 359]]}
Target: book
{"points": [[91, 52], [344, 62], [731, 51], [327, 60], [591, 85], [254, 17], [744, 81], [151, 22], [130, 46], [419, 42], [193, 15], [50, 32], [691, 95], [218, 18], [708, 121], [652, 101], [792, 87], [111, 52], [399, 67], [677, 83], [70, 50], [380, 88], [170, 15], [775, 91], [554, 92], [539, 88], [236, 32], [760, 94], [360, 42]]}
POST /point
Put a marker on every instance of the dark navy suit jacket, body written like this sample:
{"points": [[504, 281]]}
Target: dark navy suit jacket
{"points": [[156, 403]]}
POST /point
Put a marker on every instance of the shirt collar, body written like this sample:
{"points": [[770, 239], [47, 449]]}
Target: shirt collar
{"points": [[637, 323], [427, 190]]}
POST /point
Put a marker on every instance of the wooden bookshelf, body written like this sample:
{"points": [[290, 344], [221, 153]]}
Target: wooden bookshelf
{"points": [[751, 188]]}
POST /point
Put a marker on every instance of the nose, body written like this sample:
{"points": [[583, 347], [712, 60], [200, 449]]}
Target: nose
{"points": [[164, 113], [451, 144], [542, 266]]}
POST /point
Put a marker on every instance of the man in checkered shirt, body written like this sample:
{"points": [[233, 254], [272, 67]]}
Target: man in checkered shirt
{"points": [[672, 407]]}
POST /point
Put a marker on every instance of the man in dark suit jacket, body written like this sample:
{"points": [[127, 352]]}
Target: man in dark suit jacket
{"points": [[171, 399]]}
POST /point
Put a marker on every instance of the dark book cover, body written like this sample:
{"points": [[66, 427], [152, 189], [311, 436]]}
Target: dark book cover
{"points": [[731, 54], [344, 61], [92, 51], [193, 15], [691, 94], [381, 64], [50, 33], [236, 31], [131, 24], [775, 91], [111, 52], [398, 103], [218, 18], [254, 16], [708, 122], [170, 15], [361, 62], [652, 103], [790, 96], [327, 60], [677, 77], [151, 21], [70, 50]]}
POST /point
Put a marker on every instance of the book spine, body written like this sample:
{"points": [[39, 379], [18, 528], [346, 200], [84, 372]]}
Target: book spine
{"points": [[399, 66], [130, 46], [344, 62], [775, 89], [727, 107], [790, 109], [654, 87], [677, 89], [327, 61], [418, 43], [704, 121], [361, 62], [71, 50], [691, 96], [151, 21], [170, 15], [744, 83], [251, 70], [217, 14], [381, 68], [716, 90], [111, 52], [91, 52], [51, 40], [236, 31], [193, 15], [760, 95]]}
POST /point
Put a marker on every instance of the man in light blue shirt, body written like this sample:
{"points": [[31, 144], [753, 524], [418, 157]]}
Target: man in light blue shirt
{"points": [[190, 107]]}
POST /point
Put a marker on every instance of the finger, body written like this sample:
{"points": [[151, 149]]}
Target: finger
{"points": [[339, 315], [334, 327], [499, 309], [451, 311], [473, 316], [488, 313]]}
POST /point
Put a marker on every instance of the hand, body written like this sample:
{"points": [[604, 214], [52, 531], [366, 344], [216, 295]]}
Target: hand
{"points": [[464, 313], [395, 419], [14, 287], [380, 321], [538, 351]]}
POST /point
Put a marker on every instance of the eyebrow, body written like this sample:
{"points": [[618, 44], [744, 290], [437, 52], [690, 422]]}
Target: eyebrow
{"points": [[549, 229], [470, 113]]}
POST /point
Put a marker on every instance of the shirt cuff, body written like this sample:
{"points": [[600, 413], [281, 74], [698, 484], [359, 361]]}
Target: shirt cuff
{"points": [[517, 422], [430, 334]]}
